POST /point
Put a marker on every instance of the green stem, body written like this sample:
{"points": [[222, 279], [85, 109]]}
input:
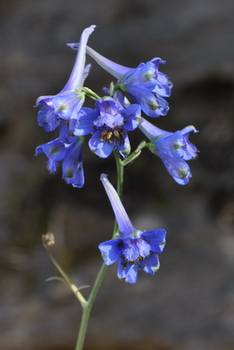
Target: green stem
{"points": [[87, 308], [88, 305], [135, 154], [91, 93], [75, 290], [120, 173]]}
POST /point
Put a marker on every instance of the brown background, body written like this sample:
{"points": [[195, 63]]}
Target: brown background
{"points": [[189, 304]]}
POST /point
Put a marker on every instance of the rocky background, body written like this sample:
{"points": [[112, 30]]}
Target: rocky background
{"points": [[189, 304]]}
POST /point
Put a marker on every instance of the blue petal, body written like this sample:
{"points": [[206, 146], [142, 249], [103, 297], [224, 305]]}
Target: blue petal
{"points": [[157, 61], [151, 264], [133, 114], [64, 105], [52, 165], [177, 168], [163, 87], [67, 104], [110, 113], [127, 271], [176, 144], [101, 148], [72, 167], [111, 250], [78, 179], [171, 144], [84, 122], [47, 118], [143, 247], [190, 150], [64, 130], [156, 239], [163, 106], [143, 75], [151, 106], [131, 250], [123, 145], [134, 248], [54, 149], [119, 96]]}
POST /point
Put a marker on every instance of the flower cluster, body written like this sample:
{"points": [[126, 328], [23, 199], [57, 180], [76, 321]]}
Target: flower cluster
{"points": [[112, 119], [133, 249], [137, 91]]}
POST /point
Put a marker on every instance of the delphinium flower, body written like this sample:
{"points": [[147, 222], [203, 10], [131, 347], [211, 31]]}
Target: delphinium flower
{"points": [[59, 110], [173, 148], [108, 124], [70, 99], [145, 83], [69, 151], [133, 249]]}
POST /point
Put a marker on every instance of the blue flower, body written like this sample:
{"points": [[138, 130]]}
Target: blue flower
{"points": [[145, 84], [69, 151], [132, 249], [70, 99], [173, 148], [108, 124]]}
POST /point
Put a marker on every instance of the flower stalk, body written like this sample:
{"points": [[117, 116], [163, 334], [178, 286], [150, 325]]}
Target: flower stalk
{"points": [[86, 307], [48, 242]]}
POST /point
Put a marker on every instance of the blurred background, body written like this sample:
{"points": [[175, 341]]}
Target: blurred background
{"points": [[189, 304]]}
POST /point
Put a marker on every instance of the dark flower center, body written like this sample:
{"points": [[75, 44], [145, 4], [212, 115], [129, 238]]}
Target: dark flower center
{"points": [[112, 135]]}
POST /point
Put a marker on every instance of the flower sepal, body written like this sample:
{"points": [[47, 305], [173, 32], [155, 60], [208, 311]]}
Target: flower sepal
{"points": [[174, 149]]}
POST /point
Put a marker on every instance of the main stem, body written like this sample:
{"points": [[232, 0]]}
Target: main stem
{"points": [[87, 308], [88, 305]]}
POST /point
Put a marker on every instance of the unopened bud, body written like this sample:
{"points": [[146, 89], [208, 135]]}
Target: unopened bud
{"points": [[48, 240]]}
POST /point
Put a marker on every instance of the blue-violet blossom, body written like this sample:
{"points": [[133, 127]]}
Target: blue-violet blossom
{"points": [[70, 99], [145, 83], [133, 249], [108, 124], [69, 151], [173, 148]]}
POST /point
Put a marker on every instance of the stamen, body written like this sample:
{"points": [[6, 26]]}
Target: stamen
{"points": [[109, 135], [103, 135], [104, 132], [116, 134]]}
